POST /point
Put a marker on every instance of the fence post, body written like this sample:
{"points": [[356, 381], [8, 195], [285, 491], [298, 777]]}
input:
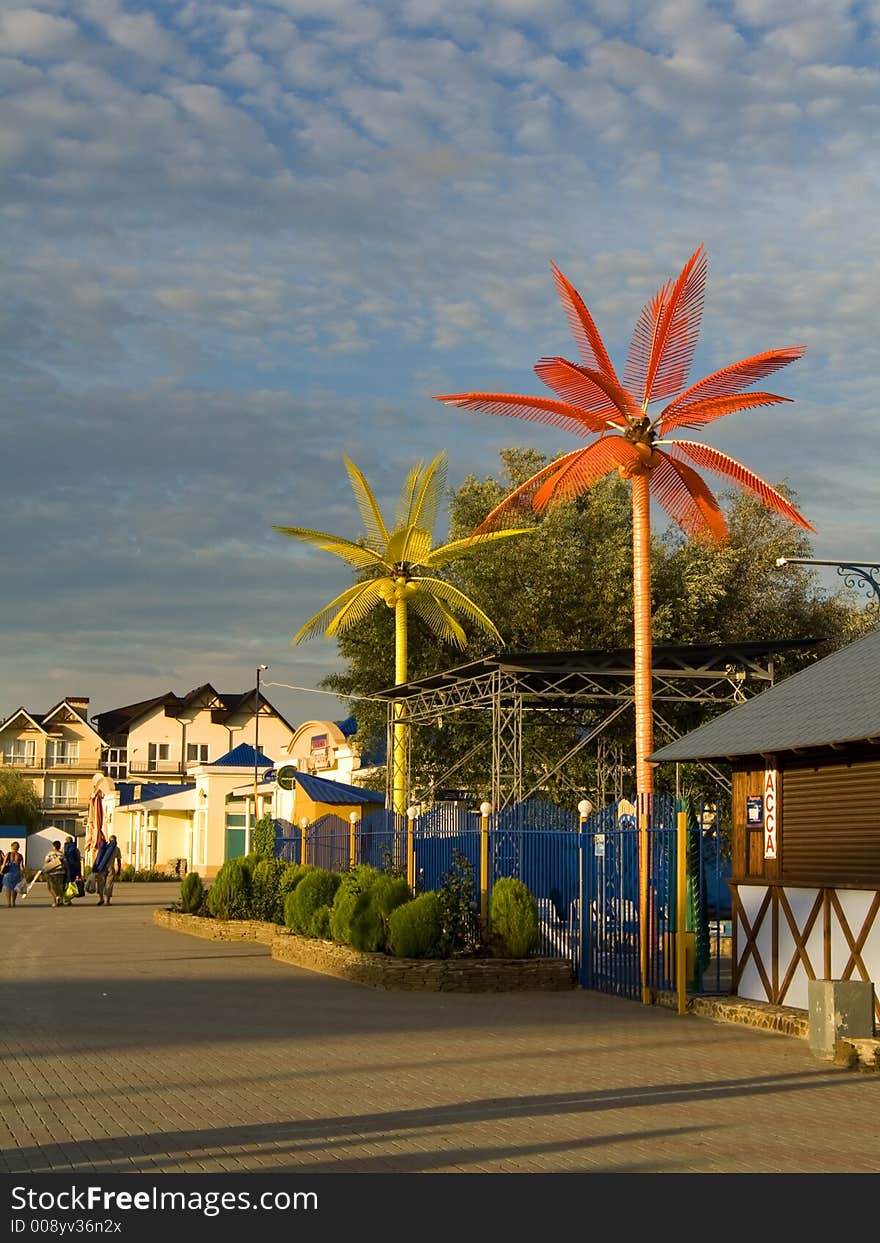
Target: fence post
{"points": [[411, 814], [485, 813], [352, 838], [303, 829], [681, 910], [585, 809]]}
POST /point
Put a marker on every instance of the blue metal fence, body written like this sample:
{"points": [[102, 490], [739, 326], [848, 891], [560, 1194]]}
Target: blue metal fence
{"points": [[585, 879]]}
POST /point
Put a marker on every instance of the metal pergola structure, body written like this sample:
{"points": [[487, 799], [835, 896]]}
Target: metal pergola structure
{"points": [[590, 688]]}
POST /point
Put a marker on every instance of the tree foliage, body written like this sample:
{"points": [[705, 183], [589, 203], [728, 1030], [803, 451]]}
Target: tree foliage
{"points": [[19, 801]]}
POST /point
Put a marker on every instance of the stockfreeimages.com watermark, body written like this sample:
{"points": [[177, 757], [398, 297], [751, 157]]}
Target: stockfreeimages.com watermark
{"points": [[96, 1199]]}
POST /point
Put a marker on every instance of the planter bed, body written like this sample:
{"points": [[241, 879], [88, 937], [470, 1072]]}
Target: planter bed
{"points": [[436, 975], [218, 929]]}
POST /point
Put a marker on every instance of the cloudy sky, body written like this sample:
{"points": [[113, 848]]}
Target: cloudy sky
{"points": [[241, 239]]}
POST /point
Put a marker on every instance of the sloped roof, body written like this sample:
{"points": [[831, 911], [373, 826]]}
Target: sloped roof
{"points": [[320, 790], [148, 790], [836, 700], [242, 756]]}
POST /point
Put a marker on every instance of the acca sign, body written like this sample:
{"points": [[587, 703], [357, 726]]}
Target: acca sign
{"points": [[771, 812]]}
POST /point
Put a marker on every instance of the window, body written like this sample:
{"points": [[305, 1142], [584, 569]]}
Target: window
{"points": [[157, 753], [60, 793], [116, 762], [21, 753], [62, 752], [196, 753]]}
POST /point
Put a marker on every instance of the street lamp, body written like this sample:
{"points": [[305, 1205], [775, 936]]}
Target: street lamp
{"points": [[863, 574], [260, 669]]}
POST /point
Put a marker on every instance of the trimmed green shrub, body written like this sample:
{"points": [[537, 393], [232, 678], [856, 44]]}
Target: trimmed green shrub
{"points": [[415, 929], [230, 895], [307, 909], [263, 837], [372, 909], [192, 893], [290, 878], [352, 885], [127, 873], [513, 918], [265, 883]]}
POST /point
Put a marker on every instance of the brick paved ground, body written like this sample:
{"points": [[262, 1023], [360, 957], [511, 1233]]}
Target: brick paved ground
{"points": [[135, 1049]]}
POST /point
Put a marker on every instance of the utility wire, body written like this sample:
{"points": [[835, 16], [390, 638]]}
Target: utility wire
{"points": [[314, 691]]}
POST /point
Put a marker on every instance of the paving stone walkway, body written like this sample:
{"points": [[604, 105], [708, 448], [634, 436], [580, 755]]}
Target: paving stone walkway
{"points": [[135, 1049]]}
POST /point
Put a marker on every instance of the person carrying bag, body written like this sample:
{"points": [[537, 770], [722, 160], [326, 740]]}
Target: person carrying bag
{"points": [[56, 874]]}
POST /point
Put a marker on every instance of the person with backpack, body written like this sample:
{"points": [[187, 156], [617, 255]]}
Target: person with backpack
{"points": [[108, 865], [55, 871]]}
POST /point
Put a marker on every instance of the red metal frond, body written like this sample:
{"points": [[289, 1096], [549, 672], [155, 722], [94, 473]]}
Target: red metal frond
{"points": [[624, 402], [582, 469], [642, 344], [520, 499], [713, 459], [537, 409], [673, 341], [585, 332], [687, 500], [699, 413], [731, 379], [574, 384]]}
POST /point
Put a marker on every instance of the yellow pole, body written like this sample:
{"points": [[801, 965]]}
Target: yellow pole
{"points": [[398, 734], [485, 812], [352, 838], [681, 911], [411, 847]]}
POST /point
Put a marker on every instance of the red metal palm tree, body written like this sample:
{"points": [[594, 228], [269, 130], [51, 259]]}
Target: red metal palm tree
{"points": [[591, 400]]}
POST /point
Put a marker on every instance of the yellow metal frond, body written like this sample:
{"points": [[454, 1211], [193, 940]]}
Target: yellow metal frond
{"points": [[321, 621], [438, 618], [371, 514], [429, 491], [356, 608], [464, 547], [460, 603], [355, 554], [411, 544], [408, 495]]}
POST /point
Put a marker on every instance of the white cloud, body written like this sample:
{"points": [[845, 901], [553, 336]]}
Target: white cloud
{"points": [[30, 31]]}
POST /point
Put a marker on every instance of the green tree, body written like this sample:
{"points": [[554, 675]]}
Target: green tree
{"points": [[19, 802]]}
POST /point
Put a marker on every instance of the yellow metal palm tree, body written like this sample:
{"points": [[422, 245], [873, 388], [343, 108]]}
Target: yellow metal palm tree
{"points": [[595, 401], [392, 562]]}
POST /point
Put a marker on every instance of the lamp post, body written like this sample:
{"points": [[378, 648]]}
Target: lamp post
{"points": [[864, 572], [260, 670]]}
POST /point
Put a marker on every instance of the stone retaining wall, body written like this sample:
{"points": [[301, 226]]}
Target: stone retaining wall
{"points": [[783, 1019], [435, 975], [218, 929], [454, 975]]}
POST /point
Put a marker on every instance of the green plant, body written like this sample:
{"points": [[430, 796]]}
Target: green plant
{"points": [[372, 910], [351, 886], [192, 893], [127, 872], [230, 895], [415, 929], [265, 886], [513, 918], [290, 878], [263, 837], [461, 933], [307, 909]]}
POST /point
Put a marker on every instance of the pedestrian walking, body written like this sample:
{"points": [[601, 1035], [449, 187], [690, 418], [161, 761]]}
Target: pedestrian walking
{"points": [[55, 871], [13, 873], [73, 863], [108, 865]]}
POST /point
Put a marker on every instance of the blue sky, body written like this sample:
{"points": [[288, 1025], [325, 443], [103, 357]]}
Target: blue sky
{"points": [[242, 239]]}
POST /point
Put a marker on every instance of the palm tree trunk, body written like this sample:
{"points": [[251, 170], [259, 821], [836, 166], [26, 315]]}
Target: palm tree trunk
{"points": [[398, 744], [641, 510]]}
